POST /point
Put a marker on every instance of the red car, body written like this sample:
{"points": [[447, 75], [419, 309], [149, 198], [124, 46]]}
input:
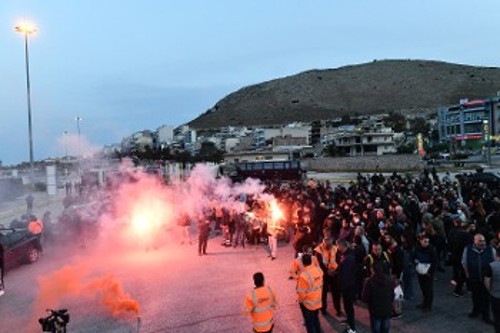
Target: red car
{"points": [[19, 247]]}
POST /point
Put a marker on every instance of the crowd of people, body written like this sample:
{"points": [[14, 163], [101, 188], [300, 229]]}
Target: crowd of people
{"points": [[373, 239], [370, 241]]}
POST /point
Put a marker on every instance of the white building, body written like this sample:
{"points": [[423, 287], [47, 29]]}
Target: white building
{"points": [[165, 134], [360, 142], [139, 140]]}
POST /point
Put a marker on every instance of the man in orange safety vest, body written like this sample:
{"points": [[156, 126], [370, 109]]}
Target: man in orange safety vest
{"points": [[309, 286], [259, 305]]}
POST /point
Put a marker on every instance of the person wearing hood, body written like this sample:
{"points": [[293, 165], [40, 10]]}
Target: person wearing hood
{"points": [[378, 294]]}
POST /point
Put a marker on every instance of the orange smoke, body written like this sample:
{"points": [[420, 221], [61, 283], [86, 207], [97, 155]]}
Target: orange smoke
{"points": [[64, 282], [112, 296], [70, 282]]}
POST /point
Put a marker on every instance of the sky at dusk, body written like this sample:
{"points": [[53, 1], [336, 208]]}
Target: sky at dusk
{"points": [[126, 66]]}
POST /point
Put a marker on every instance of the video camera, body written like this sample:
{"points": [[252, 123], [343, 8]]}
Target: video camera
{"points": [[55, 322]]}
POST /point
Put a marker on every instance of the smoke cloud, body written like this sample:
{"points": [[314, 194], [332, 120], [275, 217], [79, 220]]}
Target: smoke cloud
{"points": [[73, 281], [76, 145], [136, 213]]}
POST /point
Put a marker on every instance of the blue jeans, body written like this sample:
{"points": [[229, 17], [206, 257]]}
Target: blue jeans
{"points": [[408, 276], [311, 318], [380, 324]]}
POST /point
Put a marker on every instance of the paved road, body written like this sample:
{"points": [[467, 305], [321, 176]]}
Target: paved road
{"points": [[180, 292]]}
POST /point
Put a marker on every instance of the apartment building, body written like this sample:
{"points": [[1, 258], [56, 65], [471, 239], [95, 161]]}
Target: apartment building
{"points": [[470, 122]]}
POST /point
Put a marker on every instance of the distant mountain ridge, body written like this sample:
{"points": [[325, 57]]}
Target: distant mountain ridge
{"points": [[406, 86]]}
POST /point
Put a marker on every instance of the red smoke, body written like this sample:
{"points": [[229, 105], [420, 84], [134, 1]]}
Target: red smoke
{"points": [[55, 286], [112, 296], [143, 216], [71, 282]]}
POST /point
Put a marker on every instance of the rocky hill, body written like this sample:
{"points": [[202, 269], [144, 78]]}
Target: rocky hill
{"points": [[380, 86]]}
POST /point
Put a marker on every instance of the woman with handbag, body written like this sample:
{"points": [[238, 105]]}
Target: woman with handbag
{"points": [[425, 259]]}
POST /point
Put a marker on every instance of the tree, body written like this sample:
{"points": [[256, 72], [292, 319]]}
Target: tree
{"points": [[209, 153], [164, 153], [419, 125], [332, 150], [396, 120]]}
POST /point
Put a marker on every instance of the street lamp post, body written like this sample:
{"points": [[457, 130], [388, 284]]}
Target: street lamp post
{"points": [[28, 29], [65, 145], [486, 140], [78, 119]]}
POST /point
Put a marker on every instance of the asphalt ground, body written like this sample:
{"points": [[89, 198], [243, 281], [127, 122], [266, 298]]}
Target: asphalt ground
{"points": [[179, 291]]}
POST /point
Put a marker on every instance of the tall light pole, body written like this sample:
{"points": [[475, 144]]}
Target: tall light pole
{"points": [[27, 29], [78, 119], [65, 144]]}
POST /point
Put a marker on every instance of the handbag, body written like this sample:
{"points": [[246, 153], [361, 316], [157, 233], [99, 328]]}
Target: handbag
{"points": [[398, 293], [422, 268]]}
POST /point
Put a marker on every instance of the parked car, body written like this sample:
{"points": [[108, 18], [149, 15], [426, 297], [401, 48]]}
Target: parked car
{"points": [[20, 247], [492, 180]]}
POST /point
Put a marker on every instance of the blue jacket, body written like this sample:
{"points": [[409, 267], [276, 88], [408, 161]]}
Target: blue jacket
{"points": [[476, 261]]}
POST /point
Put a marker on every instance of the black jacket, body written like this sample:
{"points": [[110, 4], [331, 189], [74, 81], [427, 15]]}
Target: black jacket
{"points": [[346, 271], [426, 255], [378, 294]]}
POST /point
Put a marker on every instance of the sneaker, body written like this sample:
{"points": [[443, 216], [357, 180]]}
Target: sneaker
{"points": [[2, 292], [397, 316], [473, 315], [488, 321], [453, 282], [350, 330]]}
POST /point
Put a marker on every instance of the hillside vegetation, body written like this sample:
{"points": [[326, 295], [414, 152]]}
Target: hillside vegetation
{"points": [[408, 86]]}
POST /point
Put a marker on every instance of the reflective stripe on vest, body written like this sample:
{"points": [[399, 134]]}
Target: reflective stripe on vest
{"points": [[385, 255], [312, 293], [328, 256], [260, 311]]}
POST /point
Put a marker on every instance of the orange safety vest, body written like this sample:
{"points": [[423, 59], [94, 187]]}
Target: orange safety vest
{"points": [[309, 286], [259, 304], [298, 267], [35, 227], [328, 256]]}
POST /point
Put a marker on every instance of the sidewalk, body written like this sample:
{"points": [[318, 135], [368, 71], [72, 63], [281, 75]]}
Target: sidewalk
{"points": [[42, 202]]}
